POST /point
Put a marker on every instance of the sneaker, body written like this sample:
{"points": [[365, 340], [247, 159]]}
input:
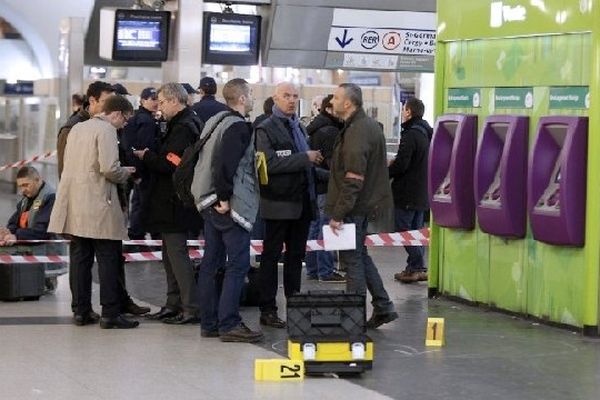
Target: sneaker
{"points": [[271, 319], [311, 277], [333, 278], [241, 334], [377, 320]]}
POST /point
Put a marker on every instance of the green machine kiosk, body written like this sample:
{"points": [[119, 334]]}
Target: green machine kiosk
{"points": [[514, 163]]}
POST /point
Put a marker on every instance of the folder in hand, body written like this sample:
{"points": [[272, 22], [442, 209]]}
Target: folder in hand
{"points": [[344, 240]]}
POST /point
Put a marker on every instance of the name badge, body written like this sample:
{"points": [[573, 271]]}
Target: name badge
{"points": [[283, 153]]}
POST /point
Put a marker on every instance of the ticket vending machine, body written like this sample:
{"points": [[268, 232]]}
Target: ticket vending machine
{"points": [[501, 175], [451, 158], [557, 180]]}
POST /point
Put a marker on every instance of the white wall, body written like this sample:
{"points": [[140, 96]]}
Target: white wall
{"points": [[38, 22], [17, 61]]}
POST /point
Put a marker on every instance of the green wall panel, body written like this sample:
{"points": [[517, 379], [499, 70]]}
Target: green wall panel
{"points": [[532, 61], [517, 275], [473, 19], [507, 274]]}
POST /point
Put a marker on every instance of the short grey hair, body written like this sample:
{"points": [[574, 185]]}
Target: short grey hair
{"points": [[353, 93], [174, 90]]}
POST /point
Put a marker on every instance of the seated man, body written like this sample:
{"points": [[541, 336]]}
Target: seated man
{"points": [[30, 220]]}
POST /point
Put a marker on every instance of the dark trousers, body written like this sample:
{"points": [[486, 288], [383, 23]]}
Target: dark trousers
{"points": [[182, 290], [292, 232], [227, 251], [125, 298], [361, 272], [138, 198], [109, 256], [406, 220]]}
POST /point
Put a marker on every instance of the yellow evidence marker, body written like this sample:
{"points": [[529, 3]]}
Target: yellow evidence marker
{"points": [[278, 369], [435, 332]]}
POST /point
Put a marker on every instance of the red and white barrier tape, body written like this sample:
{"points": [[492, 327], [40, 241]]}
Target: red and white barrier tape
{"points": [[19, 164], [408, 238]]}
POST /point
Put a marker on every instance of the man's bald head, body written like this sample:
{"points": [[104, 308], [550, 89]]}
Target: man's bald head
{"points": [[286, 97]]}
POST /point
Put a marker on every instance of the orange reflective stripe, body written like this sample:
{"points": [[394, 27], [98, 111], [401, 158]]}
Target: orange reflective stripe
{"points": [[174, 159]]}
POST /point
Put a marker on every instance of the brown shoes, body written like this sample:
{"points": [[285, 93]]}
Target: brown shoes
{"points": [[410, 276]]}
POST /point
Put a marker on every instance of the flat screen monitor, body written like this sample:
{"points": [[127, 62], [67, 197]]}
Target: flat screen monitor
{"points": [[231, 39], [141, 35]]}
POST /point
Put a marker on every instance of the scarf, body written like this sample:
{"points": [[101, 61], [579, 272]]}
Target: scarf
{"points": [[301, 146]]}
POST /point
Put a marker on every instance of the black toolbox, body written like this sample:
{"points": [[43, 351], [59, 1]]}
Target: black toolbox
{"points": [[326, 328]]}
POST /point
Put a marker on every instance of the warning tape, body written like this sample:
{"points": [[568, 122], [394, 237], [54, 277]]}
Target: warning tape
{"points": [[19, 164], [408, 238]]}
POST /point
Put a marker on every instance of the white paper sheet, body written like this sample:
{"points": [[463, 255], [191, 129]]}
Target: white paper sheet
{"points": [[346, 239]]}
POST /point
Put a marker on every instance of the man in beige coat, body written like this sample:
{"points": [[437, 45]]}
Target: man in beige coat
{"points": [[87, 208]]}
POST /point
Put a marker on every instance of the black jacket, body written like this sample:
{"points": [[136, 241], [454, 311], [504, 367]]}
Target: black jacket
{"points": [[164, 211], [283, 197], [322, 132], [142, 131], [207, 107], [409, 168]]}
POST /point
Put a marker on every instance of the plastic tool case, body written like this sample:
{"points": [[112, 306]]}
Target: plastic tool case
{"points": [[327, 330]]}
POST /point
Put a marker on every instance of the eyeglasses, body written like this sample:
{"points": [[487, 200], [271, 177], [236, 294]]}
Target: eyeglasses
{"points": [[161, 102]]}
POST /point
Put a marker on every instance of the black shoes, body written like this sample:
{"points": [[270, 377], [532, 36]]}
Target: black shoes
{"points": [[377, 320], [163, 313], [118, 322], [209, 334], [271, 319], [181, 319], [241, 334], [134, 309], [86, 319]]}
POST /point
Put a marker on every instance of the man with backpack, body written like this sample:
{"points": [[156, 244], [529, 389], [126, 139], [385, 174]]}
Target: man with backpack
{"points": [[225, 189], [409, 184], [165, 213]]}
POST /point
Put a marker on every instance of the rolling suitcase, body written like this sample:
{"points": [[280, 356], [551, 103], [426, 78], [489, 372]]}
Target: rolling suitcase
{"points": [[21, 281]]}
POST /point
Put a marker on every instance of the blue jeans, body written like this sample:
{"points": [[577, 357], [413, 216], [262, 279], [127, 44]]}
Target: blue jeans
{"points": [[361, 272], [226, 250], [319, 263], [406, 220]]}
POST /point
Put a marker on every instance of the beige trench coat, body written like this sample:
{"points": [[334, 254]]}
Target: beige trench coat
{"points": [[87, 203]]}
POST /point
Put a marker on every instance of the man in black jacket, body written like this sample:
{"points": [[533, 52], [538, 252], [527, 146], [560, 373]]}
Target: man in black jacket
{"points": [[409, 184], [208, 105], [142, 131], [287, 201], [165, 213]]}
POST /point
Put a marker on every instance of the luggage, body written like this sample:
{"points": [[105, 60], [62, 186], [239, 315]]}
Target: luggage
{"points": [[21, 281], [327, 329]]}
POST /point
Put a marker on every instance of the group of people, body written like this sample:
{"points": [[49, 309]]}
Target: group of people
{"points": [[332, 173]]}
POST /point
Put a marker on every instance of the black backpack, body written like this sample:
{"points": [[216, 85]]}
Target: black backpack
{"points": [[184, 173]]}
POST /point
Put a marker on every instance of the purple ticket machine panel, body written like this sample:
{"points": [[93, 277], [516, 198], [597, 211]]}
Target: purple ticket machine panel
{"points": [[557, 180], [500, 176], [451, 158]]}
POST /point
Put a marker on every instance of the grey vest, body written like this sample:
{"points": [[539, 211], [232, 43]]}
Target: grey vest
{"points": [[245, 199]]}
